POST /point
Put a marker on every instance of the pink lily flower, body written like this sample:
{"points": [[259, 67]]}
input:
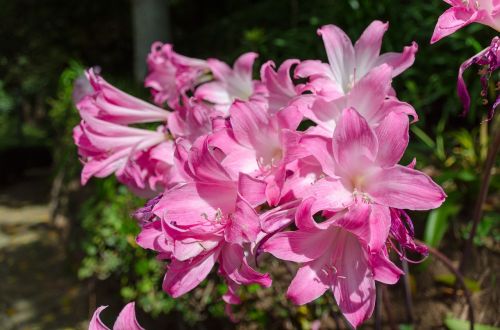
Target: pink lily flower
{"points": [[231, 84], [171, 75], [154, 235], [210, 219], [110, 104], [370, 97], [107, 148], [362, 175], [279, 84], [151, 171], [192, 120], [465, 12], [489, 59], [333, 257], [348, 64], [141, 159], [126, 319], [359, 168], [257, 143]]}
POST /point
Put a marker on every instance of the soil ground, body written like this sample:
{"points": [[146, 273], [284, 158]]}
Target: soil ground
{"points": [[37, 288]]}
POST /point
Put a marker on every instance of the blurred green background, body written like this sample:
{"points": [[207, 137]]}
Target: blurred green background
{"points": [[45, 45]]}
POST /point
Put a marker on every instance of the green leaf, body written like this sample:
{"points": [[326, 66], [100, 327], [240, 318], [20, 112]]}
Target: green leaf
{"points": [[450, 279], [456, 324], [423, 136], [405, 327], [437, 223]]}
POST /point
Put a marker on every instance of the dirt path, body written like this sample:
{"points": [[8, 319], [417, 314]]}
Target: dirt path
{"points": [[37, 288]]}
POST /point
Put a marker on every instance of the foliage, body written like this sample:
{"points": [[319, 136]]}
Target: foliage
{"points": [[456, 324]]}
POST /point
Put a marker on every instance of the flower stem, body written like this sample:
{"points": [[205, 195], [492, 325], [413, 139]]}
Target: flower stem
{"points": [[407, 290], [460, 279], [481, 198]]}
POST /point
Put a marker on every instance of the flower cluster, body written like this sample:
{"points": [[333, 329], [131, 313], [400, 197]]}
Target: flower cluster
{"points": [[301, 164], [460, 14]]}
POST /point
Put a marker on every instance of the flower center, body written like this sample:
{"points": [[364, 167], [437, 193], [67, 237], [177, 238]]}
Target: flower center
{"points": [[218, 217]]}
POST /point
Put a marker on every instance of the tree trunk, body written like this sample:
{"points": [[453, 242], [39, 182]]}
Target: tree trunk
{"points": [[151, 22]]}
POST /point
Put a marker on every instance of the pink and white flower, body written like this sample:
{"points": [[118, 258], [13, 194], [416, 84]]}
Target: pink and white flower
{"points": [[209, 219], [348, 64], [171, 75], [370, 97], [359, 168], [231, 84], [280, 86], [140, 158], [333, 257]]}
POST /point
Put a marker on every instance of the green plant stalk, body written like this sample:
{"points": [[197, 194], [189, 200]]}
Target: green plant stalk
{"points": [[481, 198]]}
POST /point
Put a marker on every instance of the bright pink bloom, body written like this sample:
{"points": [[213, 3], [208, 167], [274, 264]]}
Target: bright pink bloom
{"points": [[126, 319], [257, 143], [192, 120], [231, 84], [107, 148], [141, 159], [333, 257], [151, 171], [369, 96], [210, 219], [465, 12], [359, 168], [489, 59], [171, 75], [279, 84], [110, 104], [347, 63]]}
